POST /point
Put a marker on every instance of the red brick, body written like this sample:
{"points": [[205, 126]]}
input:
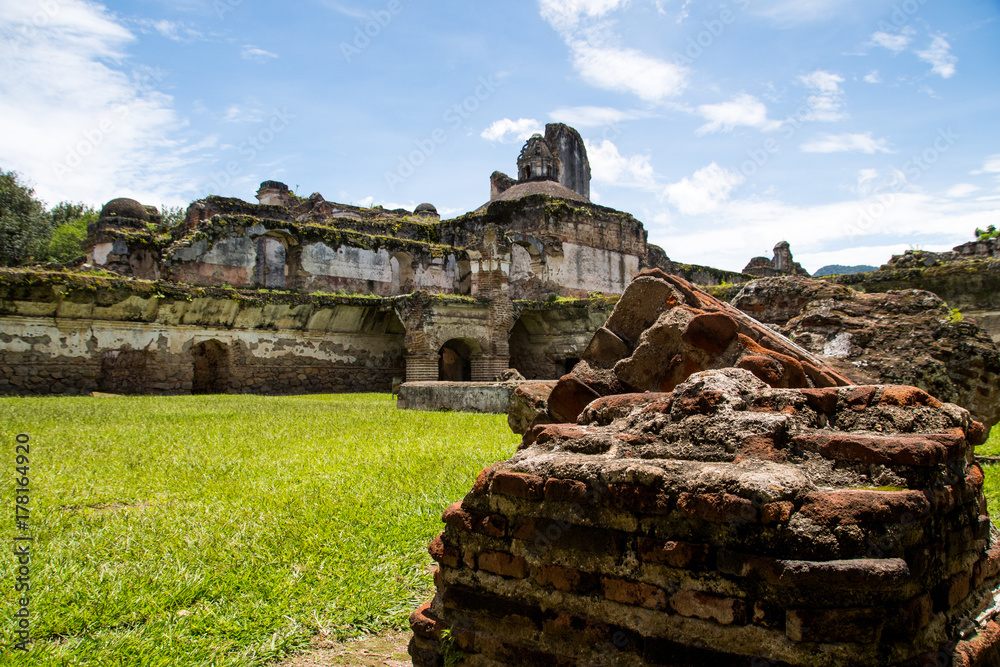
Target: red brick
{"points": [[551, 432], [880, 450], [634, 593], [506, 565], [766, 368], [952, 591], [858, 398], [777, 512], [446, 555], [711, 332], [482, 483], [674, 554], [834, 625], [822, 400], [569, 398], [762, 447], [906, 396], [718, 507], [725, 611], [858, 507], [976, 434], [702, 403], [636, 498], [425, 624], [474, 522], [567, 490], [518, 485], [565, 578]]}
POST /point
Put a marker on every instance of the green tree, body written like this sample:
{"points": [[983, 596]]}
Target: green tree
{"points": [[24, 226], [172, 217], [69, 231]]}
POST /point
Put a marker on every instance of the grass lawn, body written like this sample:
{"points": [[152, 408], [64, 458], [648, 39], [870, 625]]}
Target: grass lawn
{"points": [[228, 530], [992, 487]]}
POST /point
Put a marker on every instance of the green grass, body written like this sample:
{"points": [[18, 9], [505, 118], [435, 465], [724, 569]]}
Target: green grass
{"points": [[228, 530], [992, 472]]}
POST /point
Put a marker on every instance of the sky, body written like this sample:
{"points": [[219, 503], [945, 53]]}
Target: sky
{"points": [[853, 129]]}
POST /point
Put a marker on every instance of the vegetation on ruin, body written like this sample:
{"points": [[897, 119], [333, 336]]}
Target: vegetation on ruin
{"points": [[231, 530], [992, 485], [991, 232]]}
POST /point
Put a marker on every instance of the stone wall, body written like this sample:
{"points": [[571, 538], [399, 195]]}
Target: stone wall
{"points": [[64, 335]]}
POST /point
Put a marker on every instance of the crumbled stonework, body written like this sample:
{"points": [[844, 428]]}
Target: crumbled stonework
{"points": [[721, 519], [899, 337]]}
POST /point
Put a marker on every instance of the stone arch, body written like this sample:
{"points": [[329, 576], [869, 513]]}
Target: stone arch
{"points": [[211, 367], [403, 276], [455, 359]]}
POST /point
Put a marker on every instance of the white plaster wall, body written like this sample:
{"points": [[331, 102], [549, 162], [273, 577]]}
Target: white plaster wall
{"points": [[101, 252], [233, 251], [441, 275], [592, 269], [356, 263]]}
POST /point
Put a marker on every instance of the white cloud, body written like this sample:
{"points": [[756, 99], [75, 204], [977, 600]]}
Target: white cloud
{"points": [[962, 190], [798, 11], [853, 231], [873, 77], [705, 191], [243, 114], [608, 165], [594, 116], [990, 166], [256, 55], [847, 143], [565, 15], [742, 110], [628, 71], [939, 55], [894, 43], [88, 128], [508, 131], [826, 103]]}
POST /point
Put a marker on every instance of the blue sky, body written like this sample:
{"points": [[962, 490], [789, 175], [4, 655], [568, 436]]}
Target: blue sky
{"points": [[853, 129]]}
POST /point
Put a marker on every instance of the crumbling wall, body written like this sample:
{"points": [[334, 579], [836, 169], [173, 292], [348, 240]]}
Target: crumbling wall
{"points": [[759, 515], [75, 336]]}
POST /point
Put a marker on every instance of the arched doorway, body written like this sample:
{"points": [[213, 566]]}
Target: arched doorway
{"points": [[211, 368], [455, 360]]}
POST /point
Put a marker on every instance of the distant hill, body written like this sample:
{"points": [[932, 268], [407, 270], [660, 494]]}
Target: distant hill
{"points": [[837, 269]]}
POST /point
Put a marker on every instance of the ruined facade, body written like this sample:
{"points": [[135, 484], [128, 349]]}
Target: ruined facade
{"points": [[782, 264], [523, 281]]}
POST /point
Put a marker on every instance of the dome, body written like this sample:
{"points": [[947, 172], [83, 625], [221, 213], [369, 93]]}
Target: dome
{"points": [[274, 185], [427, 209], [125, 208]]}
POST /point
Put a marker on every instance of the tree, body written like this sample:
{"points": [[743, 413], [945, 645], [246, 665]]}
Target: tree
{"points": [[24, 227], [172, 217], [69, 230]]}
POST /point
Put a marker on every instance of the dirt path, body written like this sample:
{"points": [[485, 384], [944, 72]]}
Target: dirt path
{"points": [[385, 650]]}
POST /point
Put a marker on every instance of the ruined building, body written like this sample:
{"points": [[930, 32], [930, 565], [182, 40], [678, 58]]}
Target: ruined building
{"points": [[782, 264], [294, 294]]}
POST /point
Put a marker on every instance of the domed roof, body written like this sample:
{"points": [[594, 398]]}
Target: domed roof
{"points": [[426, 208], [125, 208], [536, 146], [274, 185]]}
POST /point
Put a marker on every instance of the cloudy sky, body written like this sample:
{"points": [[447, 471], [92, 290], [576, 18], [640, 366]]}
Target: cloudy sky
{"points": [[853, 129]]}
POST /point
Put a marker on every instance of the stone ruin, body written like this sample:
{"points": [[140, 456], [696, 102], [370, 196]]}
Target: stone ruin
{"points": [[760, 513], [783, 264]]}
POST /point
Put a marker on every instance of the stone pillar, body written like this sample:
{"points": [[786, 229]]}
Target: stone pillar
{"points": [[485, 368], [422, 368]]}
